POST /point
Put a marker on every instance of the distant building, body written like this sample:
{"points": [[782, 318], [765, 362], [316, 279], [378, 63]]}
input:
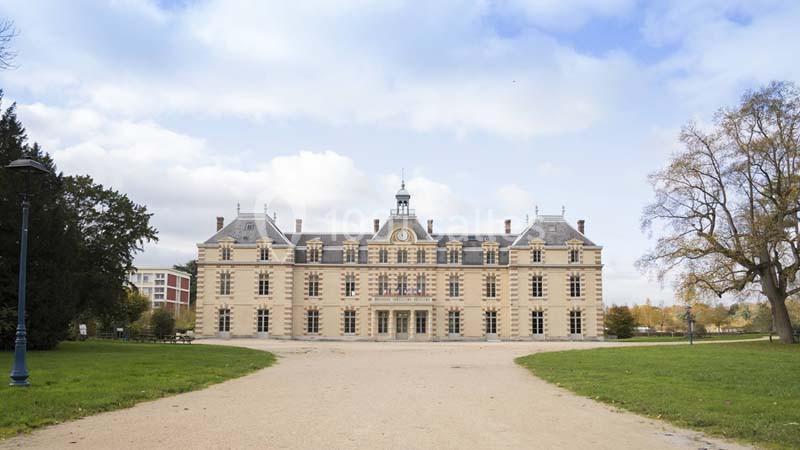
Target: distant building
{"points": [[401, 281], [166, 288]]}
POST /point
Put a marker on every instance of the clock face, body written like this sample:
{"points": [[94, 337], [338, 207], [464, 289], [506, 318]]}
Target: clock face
{"points": [[402, 235]]}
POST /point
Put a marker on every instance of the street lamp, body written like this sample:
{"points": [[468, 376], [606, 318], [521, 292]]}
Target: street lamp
{"points": [[689, 323], [28, 167]]}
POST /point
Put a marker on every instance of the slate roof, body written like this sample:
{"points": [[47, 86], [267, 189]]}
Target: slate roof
{"points": [[410, 222], [553, 230], [247, 228]]}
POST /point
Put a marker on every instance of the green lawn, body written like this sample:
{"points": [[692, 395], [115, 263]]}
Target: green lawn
{"points": [[709, 338], [748, 391], [83, 378]]}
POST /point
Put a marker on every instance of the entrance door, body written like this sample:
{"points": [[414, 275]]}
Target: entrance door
{"points": [[401, 322], [491, 325]]}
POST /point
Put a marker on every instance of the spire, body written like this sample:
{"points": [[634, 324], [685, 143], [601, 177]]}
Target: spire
{"points": [[403, 178], [402, 198], [238, 209]]}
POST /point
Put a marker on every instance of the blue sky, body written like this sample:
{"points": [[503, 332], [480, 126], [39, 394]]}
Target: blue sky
{"points": [[492, 107]]}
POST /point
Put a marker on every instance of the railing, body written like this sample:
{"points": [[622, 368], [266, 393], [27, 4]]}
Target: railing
{"points": [[401, 300], [402, 212]]}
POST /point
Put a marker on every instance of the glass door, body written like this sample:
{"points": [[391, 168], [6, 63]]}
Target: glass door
{"points": [[401, 322]]}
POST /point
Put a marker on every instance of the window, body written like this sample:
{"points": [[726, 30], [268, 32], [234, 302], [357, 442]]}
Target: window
{"points": [[263, 284], [224, 320], [263, 321], [383, 285], [383, 255], [421, 322], [313, 285], [312, 321], [536, 256], [159, 282], [574, 256], [383, 322], [145, 278], [575, 286], [537, 286], [402, 256], [421, 284], [491, 286], [349, 322], [263, 254], [575, 322], [313, 254], [226, 253], [454, 322], [250, 226], [491, 322], [537, 322], [225, 283], [350, 255], [350, 285], [452, 256], [453, 286], [420, 256], [402, 284], [491, 257]]}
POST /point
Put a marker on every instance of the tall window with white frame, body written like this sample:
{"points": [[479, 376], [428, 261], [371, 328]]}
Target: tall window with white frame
{"points": [[536, 256], [574, 286], [574, 255], [537, 322], [350, 255], [420, 290], [313, 285], [575, 325], [383, 322], [383, 285], [454, 322], [313, 254], [263, 253], [402, 256], [383, 256], [224, 325], [537, 286], [491, 322], [421, 322], [349, 321], [421, 256], [263, 283], [402, 284], [226, 253], [350, 285], [491, 256], [312, 321], [225, 283], [453, 290], [452, 255], [491, 286], [262, 322]]}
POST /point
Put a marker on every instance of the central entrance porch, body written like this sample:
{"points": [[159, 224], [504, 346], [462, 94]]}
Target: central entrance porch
{"points": [[397, 324]]}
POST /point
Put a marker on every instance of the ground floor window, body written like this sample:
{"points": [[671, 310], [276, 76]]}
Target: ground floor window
{"points": [[491, 322], [537, 317], [422, 322], [263, 321], [312, 321], [224, 320], [454, 322], [383, 322], [575, 326], [349, 322]]}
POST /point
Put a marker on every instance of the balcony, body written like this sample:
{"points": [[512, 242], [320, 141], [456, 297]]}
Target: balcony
{"points": [[402, 300]]}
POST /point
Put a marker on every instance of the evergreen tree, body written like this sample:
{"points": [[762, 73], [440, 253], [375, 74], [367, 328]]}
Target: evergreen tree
{"points": [[619, 322]]}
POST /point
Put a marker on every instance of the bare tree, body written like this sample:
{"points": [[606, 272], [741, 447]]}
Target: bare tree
{"points": [[727, 206], [7, 33]]}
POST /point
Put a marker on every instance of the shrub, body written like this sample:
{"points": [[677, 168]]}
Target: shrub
{"points": [[619, 322], [162, 322], [184, 321]]}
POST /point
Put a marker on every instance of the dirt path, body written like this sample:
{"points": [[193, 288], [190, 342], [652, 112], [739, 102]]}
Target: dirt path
{"points": [[376, 395]]}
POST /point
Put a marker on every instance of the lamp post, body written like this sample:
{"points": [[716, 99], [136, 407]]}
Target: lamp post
{"points": [[690, 323], [19, 373]]}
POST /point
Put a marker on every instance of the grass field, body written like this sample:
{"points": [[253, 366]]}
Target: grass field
{"points": [[749, 391], [708, 338], [83, 378]]}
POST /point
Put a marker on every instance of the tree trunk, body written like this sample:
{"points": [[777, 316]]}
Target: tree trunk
{"points": [[780, 320]]}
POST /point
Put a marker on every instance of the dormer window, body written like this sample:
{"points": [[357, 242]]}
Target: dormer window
{"points": [[263, 254], [452, 255], [226, 253], [536, 256], [491, 257], [313, 255], [350, 255], [402, 256], [574, 255], [383, 256]]}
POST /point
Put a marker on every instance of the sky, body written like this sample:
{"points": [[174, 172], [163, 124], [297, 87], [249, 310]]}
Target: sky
{"points": [[492, 108]]}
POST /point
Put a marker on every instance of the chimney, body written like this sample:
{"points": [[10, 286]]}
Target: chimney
{"points": [[508, 226], [298, 226], [220, 222], [430, 226], [581, 226], [376, 225]]}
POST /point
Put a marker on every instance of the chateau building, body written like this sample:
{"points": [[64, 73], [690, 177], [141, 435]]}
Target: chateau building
{"points": [[400, 282]]}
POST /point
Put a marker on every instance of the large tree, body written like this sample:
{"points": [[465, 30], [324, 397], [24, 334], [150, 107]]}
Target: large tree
{"points": [[726, 207], [82, 238]]}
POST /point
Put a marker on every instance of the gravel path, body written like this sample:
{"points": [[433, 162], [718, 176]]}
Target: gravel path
{"points": [[375, 395]]}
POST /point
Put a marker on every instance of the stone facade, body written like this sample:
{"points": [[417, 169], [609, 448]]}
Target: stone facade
{"points": [[401, 282]]}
